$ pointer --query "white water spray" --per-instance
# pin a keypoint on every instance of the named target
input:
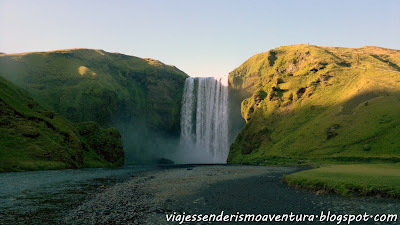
(204, 120)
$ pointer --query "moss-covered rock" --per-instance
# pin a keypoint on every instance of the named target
(105, 142)
(307, 103)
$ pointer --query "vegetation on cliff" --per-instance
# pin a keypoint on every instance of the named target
(33, 138)
(141, 97)
(94, 85)
(311, 104)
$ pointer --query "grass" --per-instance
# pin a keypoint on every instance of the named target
(350, 180)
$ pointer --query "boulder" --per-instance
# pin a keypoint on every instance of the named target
(331, 131)
(166, 161)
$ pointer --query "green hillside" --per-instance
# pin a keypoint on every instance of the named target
(141, 97)
(33, 138)
(308, 104)
(94, 85)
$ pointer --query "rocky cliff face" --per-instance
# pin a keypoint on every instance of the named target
(32, 137)
(318, 103)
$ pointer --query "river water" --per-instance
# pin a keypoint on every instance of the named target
(38, 197)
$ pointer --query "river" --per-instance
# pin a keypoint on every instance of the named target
(44, 196)
(146, 194)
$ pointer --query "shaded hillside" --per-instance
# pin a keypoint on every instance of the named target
(32, 138)
(141, 97)
(319, 103)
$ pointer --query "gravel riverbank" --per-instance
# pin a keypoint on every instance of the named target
(148, 197)
(144, 199)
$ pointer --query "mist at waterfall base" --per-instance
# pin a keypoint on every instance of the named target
(210, 121)
(143, 145)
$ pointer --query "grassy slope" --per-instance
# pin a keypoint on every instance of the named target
(33, 138)
(313, 104)
(94, 85)
(348, 180)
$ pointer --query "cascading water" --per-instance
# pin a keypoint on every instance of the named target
(204, 120)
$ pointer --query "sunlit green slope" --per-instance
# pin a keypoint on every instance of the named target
(311, 103)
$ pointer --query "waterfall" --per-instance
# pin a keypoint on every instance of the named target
(204, 120)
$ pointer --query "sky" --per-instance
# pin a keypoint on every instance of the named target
(200, 37)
